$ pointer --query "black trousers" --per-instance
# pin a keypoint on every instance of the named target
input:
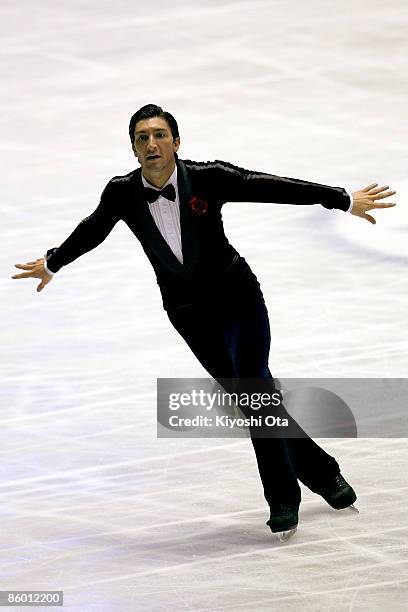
(230, 336)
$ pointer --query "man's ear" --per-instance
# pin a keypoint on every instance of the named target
(176, 144)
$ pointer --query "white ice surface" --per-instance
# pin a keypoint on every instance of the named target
(91, 501)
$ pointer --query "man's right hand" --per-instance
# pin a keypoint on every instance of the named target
(35, 269)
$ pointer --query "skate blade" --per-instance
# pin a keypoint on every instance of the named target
(354, 509)
(284, 536)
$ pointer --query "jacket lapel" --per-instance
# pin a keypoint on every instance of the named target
(188, 221)
(152, 234)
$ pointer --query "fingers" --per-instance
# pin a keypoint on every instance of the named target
(381, 196)
(32, 269)
(24, 266)
(371, 205)
(385, 205)
(379, 189)
(41, 286)
(23, 275)
(369, 187)
(379, 193)
(370, 219)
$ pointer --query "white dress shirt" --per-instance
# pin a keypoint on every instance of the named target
(166, 214)
(167, 217)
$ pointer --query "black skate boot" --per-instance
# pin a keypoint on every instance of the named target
(338, 493)
(283, 520)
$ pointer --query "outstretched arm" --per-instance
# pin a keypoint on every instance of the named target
(240, 185)
(88, 234)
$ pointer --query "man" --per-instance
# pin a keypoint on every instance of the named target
(209, 292)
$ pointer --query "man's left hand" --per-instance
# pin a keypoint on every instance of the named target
(365, 200)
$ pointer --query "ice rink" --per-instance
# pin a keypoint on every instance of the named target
(92, 503)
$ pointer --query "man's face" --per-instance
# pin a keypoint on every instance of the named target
(154, 146)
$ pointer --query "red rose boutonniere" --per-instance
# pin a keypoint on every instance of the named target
(198, 205)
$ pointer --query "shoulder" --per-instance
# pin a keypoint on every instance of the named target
(220, 168)
(202, 166)
(124, 179)
(120, 183)
(216, 169)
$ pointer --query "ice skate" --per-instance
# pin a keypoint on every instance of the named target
(339, 494)
(283, 520)
(284, 536)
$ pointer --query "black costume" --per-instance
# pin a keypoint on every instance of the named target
(213, 299)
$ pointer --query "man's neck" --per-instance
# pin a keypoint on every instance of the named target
(159, 179)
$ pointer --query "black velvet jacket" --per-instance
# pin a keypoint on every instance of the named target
(208, 257)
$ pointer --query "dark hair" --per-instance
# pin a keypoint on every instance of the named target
(147, 112)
